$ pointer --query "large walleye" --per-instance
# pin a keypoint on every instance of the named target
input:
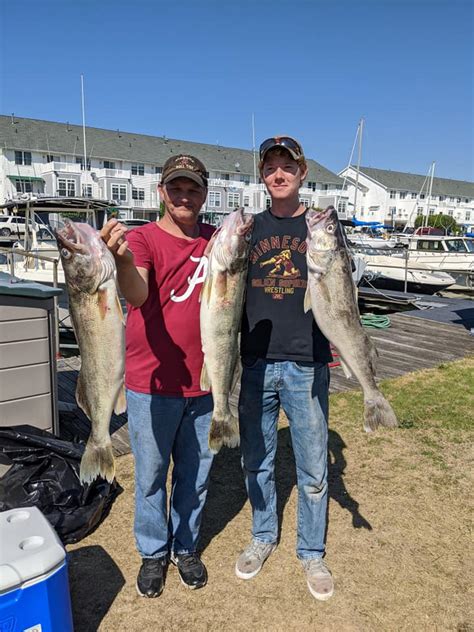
(222, 301)
(97, 317)
(331, 295)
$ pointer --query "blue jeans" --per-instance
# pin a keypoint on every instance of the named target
(161, 427)
(302, 390)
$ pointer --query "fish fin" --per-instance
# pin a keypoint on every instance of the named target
(119, 307)
(121, 402)
(223, 431)
(237, 375)
(206, 290)
(378, 412)
(307, 300)
(346, 369)
(205, 382)
(97, 461)
(81, 398)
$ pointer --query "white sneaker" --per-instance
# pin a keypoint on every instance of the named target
(318, 578)
(250, 562)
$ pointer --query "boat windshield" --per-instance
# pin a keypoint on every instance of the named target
(456, 245)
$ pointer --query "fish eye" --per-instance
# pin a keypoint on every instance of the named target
(330, 228)
(65, 253)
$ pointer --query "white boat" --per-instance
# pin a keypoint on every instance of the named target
(453, 255)
(394, 272)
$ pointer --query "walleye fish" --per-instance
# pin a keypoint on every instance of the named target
(332, 297)
(222, 300)
(97, 317)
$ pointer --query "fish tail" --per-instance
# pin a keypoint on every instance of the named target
(378, 412)
(224, 431)
(97, 461)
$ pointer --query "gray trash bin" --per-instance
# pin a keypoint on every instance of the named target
(28, 382)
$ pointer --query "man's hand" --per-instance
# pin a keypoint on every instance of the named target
(113, 235)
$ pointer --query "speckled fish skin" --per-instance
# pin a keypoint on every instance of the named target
(222, 300)
(331, 295)
(98, 322)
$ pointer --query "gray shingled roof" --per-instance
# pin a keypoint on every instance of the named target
(399, 181)
(64, 138)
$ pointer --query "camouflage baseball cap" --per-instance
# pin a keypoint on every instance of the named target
(184, 166)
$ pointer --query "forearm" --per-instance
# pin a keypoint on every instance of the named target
(132, 285)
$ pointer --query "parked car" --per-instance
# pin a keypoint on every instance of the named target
(14, 226)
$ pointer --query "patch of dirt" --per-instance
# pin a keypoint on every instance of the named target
(398, 546)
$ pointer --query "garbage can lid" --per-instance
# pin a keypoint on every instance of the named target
(19, 287)
(30, 547)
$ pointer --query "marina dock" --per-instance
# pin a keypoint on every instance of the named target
(414, 341)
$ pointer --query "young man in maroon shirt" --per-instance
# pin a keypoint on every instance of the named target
(160, 271)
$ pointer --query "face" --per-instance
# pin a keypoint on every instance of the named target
(183, 199)
(282, 175)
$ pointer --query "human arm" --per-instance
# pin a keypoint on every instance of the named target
(132, 280)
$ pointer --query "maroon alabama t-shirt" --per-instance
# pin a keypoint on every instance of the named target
(163, 340)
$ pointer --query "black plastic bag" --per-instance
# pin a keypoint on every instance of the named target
(45, 473)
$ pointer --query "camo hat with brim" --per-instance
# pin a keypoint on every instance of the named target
(184, 166)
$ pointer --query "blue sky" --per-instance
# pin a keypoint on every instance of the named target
(197, 70)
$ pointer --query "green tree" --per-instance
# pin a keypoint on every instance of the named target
(445, 222)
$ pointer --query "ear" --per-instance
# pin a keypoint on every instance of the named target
(303, 172)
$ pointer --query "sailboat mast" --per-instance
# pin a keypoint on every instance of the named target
(84, 126)
(359, 132)
(254, 150)
(429, 192)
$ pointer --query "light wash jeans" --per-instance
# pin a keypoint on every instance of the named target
(302, 390)
(161, 427)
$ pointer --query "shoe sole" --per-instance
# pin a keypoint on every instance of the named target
(320, 596)
(140, 594)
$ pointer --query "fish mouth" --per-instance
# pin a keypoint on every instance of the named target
(247, 223)
(70, 237)
(313, 217)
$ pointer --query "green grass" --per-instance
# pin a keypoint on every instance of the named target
(440, 398)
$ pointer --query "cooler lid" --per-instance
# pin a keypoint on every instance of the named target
(29, 547)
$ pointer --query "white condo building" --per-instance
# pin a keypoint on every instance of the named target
(395, 199)
(43, 158)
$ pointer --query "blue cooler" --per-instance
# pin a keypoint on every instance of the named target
(34, 588)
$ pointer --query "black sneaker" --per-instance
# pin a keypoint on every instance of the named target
(151, 576)
(191, 570)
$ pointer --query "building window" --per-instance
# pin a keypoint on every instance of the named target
(468, 216)
(80, 161)
(138, 169)
(450, 212)
(311, 185)
(392, 210)
(245, 179)
(393, 195)
(24, 186)
(246, 200)
(413, 196)
(233, 200)
(158, 169)
(466, 200)
(422, 196)
(432, 211)
(23, 157)
(214, 199)
(341, 207)
(87, 190)
(108, 164)
(119, 192)
(268, 202)
(403, 195)
(458, 200)
(226, 176)
(441, 198)
(419, 210)
(52, 158)
(305, 202)
(138, 194)
(66, 188)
